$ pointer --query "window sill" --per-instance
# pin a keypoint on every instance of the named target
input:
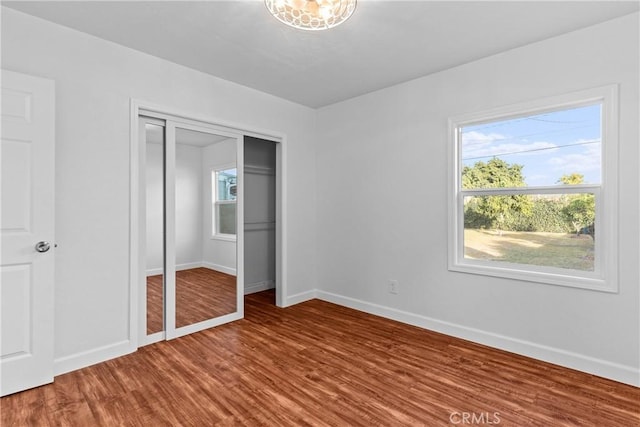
(555, 277)
(224, 238)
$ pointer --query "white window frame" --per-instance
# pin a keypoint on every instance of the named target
(215, 203)
(605, 275)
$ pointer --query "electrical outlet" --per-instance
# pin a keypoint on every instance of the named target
(394, 287)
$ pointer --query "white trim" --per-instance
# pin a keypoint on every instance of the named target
(179, 267)
(239, 231)
(533, 273)
(206, 324)
(188, 265)
(301, 297)
(135, 261)
(617, 372)
(83, 359)
(557, 189)
(154, 271)
(604, 278)
(282, 277)
(224, 126)
(152, 338)
(252, 288)
(169, 229)
(224, 237)
(541, 105)
(218, 267)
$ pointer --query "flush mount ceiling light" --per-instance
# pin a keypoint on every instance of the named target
(311, 14)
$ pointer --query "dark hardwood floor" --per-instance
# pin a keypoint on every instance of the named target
(318, 364)
(155, 298)
(201, 294)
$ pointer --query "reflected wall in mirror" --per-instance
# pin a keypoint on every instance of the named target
(154, 174)
(205, 226)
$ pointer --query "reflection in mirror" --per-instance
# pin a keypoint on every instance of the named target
(154, 165)
(205, 226)
(224, 216)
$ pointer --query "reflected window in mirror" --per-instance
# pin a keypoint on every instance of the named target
(224, 185)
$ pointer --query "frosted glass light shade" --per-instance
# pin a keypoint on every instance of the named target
(311, 14)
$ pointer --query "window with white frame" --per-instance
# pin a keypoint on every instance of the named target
(534, 191)
(224, 187)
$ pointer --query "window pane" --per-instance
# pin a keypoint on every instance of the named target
(227, 180)
(553, 230)
(534, 150)
(227, 217)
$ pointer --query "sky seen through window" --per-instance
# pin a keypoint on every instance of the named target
(548, 145)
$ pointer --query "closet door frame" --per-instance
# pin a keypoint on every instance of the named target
(170, 331)
(137, 324)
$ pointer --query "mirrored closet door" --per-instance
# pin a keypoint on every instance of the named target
(192, 206)
(152, 193)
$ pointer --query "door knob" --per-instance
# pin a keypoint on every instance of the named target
(42, 246)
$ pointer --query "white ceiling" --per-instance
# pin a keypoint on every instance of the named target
(382, 44)
(197, 139)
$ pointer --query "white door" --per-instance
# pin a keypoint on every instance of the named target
(26, 223)
(221, 306)
(187, 282)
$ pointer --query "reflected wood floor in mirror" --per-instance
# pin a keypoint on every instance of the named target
(319, 364)
(201, 294)
(154, 304)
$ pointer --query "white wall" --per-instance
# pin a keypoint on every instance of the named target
(189, 206)
(194, 245)
(372, 229)
(95, 81)
(217, 254)
(154, 183)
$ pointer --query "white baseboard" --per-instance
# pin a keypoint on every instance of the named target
(252, 288)
(198, 264)
(188, 265)
(301, 297)
(599, 367)
(220, 268)
(154, 271)
(624, 374)
(91, 357)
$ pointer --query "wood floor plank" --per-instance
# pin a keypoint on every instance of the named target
(201, 294)
(318, 364)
